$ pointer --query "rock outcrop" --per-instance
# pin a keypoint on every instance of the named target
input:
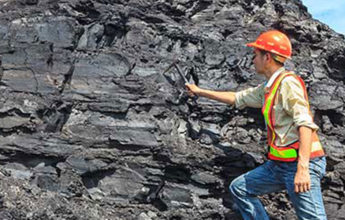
(91, 127)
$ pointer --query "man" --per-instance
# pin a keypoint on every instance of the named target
(296, 158)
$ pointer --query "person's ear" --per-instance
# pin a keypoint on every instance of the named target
(268, 57)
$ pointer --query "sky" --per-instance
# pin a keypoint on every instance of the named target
(330, 12)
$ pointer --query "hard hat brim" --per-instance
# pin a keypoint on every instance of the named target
(255, 45)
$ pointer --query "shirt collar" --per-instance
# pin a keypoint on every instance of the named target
(274, 76)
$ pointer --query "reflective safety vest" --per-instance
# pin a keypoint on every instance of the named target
(287, 153)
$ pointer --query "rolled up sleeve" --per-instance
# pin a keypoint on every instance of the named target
(252, 97)
(295, 104)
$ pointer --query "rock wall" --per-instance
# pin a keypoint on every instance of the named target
(91, 127)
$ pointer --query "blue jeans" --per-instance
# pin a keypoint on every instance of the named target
(274, 177)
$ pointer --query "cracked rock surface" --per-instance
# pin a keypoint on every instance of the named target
(92, 128)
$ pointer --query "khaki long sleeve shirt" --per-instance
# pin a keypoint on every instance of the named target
(290, 106)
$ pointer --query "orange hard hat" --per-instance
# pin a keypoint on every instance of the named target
(275, 42)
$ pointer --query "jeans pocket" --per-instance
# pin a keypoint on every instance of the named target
(318, 166)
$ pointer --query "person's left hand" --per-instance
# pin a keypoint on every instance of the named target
(302, 180)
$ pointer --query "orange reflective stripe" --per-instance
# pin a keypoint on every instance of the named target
(268, 106)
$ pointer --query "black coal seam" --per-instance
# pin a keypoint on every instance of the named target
(55, 116)
(168, 10)
(14, 112)
(127, 147)
(154, 196)
(91, 179)
(50, 58)
(200, 6)
(29, 160)
(87, 9)
(177, 173)
(4, 132)
(112, 114)
(333, 116)
(67, 77)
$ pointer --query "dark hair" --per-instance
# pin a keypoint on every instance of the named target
(275, 57)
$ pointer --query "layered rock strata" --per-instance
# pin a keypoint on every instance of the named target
(91, 127)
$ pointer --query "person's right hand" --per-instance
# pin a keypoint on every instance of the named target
(193, 90)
